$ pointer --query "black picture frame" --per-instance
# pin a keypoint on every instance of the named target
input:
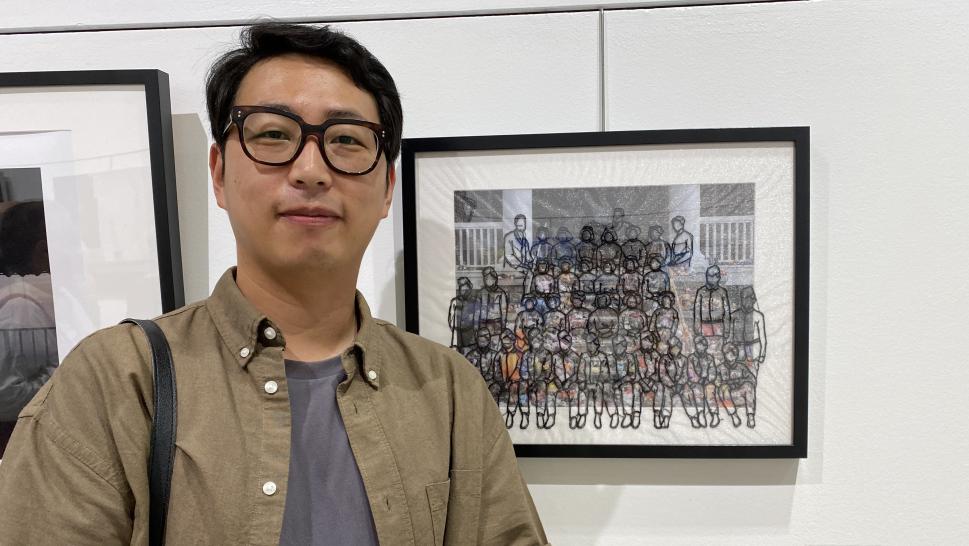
(413, 150)
(162, 158)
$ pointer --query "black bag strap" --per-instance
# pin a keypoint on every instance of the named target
(162, 431)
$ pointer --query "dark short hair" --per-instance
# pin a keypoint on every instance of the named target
(268, 39)
(22, 228)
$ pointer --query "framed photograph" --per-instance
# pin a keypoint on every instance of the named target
(88, 216)
(623, 294)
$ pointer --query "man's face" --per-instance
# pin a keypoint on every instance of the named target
(519, 225)
(301, 215)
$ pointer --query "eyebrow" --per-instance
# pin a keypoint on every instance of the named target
(330, 114)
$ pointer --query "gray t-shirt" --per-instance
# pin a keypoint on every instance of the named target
(326, 502)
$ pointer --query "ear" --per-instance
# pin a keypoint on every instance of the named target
(391, 182)
(217, 171)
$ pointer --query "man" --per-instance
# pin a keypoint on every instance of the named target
(403, 444)
(462, 316)
(657, 246)
(492, 303)
(517, 252)
(681, 247)
(711, 311)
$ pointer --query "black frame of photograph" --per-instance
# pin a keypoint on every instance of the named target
(161, 154)
(798, 136)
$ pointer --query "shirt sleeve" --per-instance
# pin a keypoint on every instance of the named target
(75, 469)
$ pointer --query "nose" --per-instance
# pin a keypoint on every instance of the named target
(309, 169)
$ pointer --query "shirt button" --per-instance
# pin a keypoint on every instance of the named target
(269, 488)
(372, 374)
(270, 333)
(271, 387)
(244, 352)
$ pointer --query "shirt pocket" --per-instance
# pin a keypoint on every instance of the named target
(464, 507)
(437, 499)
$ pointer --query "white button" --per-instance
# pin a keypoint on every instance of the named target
(271, 387)
(244, 352)
(372, 374)
(269, 488)
(269, 332)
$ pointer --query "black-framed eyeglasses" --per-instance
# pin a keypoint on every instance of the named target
(276, 137)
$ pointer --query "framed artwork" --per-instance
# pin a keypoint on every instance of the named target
(88, 216)
(623, 294)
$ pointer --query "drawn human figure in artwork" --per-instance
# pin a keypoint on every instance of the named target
(609, 251)
(682, 246)
(594, 364)
(555, 320)
(657, 246)
(587, 278)
(631, 280)
(626, 386)
(483, 357)
(547, 382)
(578, 317)
(633, 247)
(632, 320)
(666, 317)
(492, 303)
(711, 311)
(664, 385)
(509, 363)
(567, 367)
(703, 377)
(529, 317)
(748, 332)
(648, 373)
(462, 316)
(619, 225)
(518, 251)
(608, 283)
(564, 248)
(587, 246)
(567, 280)
(604, 320)
(542, 247)
(656, 281)
(738, 386)
(538, 361)
(543, 284)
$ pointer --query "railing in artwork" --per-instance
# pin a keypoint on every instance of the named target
(477, 244)
(31, 347)
(727, 240)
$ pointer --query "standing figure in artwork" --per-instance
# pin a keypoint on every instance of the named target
(538, 361)
(748, 331)
(648, 373)
(664, 384)
(594, 364)
(633, 247)
(711, 311)
(462, 316)
(564, 248)
(738, 387)
(609, 251)
(492, 304)
(682, 246)
(666, 317)
(587, 247)
(619, 225)
(484, 357)
(657, 246)
(704, 378)
(629, 391)
(551, 380)
(518, 251)
(608, 283)
(509, 362)
(672, 379)
(567, 367)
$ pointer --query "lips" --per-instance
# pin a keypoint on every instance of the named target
(316, 216)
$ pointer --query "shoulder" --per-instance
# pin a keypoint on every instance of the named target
(420, 356)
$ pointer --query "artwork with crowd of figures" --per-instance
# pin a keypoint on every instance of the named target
(611, 308)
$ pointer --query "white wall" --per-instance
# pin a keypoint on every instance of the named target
(884, 86)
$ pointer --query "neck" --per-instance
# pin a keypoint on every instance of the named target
(315, 310)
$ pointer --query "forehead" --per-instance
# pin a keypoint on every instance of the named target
(309, 86)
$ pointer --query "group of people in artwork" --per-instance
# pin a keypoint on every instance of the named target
(597, 325)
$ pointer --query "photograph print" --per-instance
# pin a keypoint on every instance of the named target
(626, 300)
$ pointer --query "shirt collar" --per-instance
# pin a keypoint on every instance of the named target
(239, 324)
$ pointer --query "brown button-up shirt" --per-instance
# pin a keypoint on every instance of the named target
(436, 460)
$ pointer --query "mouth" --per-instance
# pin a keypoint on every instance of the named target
(310, 216)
